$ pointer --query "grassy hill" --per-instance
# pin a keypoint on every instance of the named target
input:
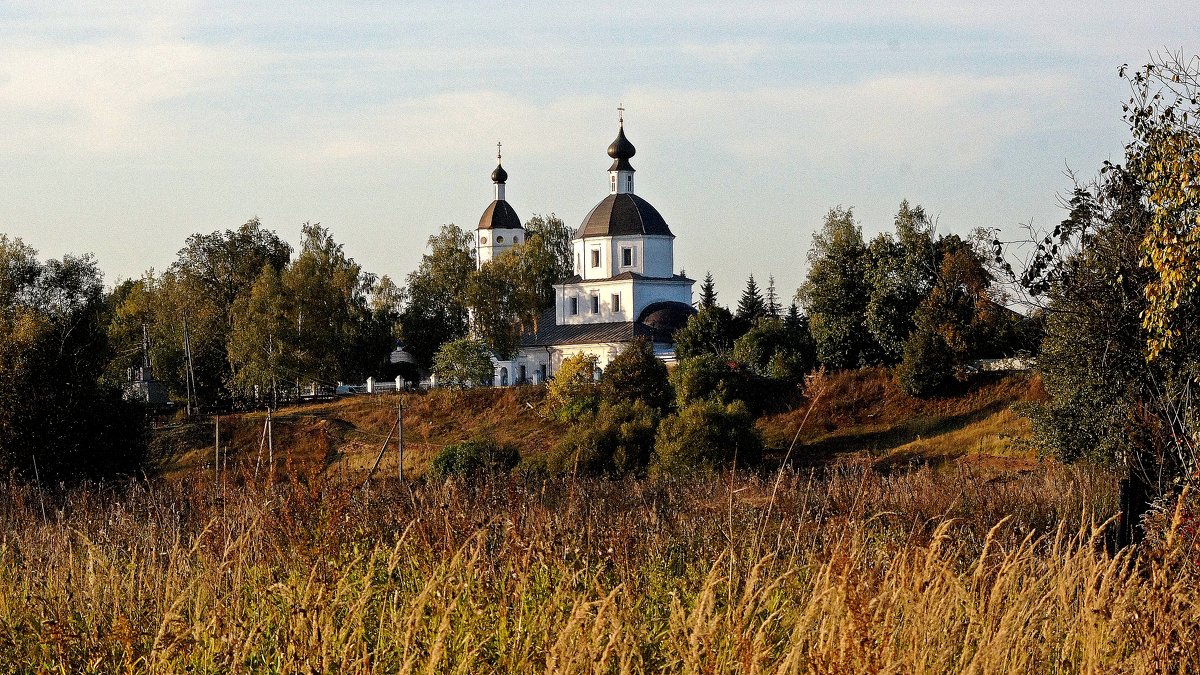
(860, 416)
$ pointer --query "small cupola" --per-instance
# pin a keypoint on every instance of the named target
(499, 175)
(620, 174)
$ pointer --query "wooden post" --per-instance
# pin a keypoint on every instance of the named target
(217, 449)
(187, 375)
(400, 435)
(271, 445)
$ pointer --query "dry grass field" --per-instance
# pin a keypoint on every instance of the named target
(837, 570)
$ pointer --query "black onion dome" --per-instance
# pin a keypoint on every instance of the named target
(499, 175)
(622, 214)
(666, 316)
(500, 215)
(621, 150)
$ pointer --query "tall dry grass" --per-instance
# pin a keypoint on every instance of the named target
(847, 571)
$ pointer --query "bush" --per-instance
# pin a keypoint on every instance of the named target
(706, 435)
(636, 374)
(707, 377)
(572, 393)
(619, 439)
(777, 349)
(473, 457)
(927, 363)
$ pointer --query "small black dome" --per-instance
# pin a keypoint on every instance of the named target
(499, 215)
(666, 316)
(621, 150)
(499, 175)
(622, 214)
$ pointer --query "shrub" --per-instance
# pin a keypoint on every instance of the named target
(706, 435)
(619, 439)
(706, 377)
(472, 457)
(927, 363)
(636, 374)
(777, 349)
(572, 393)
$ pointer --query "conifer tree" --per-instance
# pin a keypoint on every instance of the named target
(708, 291)
(751, 306)
(772, 305)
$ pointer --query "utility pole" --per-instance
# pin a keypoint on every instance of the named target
(270, 446)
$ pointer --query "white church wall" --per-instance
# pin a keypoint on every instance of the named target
(603, 291)
(649, 292)
(491, 244)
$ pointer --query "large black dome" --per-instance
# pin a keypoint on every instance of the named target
(666, 316)
(623, 214)
(500, 216)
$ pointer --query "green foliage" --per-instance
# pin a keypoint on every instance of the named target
(59, 419)
(636, 374)
(901, 271)
(751, 306)
(706, 377)
(437, 294)
(510, 292)
(619, 439)
(708, 291)
(927, 364)
(474, 457)
(777, 349)
(704, 436)
(573, 393)
(463, 363)
(835, 293)
(712, 331)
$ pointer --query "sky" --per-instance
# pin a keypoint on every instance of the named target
(126, 127)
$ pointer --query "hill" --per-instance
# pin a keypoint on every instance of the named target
(859, 416)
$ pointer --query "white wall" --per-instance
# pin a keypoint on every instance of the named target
(583, 292)
(487, 247)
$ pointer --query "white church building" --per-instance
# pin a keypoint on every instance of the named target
(624, 285)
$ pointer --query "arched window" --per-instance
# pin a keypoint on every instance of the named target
(504, 377)
(500, 239)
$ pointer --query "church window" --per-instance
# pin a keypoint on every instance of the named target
(616, 302)
(483, 240)
(595, 257)
(578, 264)
(521, 378)
(629, 183)
(627, 256)
(574, 306)
(595, 304)
(516, 240)
(500, 239)
(613, 182)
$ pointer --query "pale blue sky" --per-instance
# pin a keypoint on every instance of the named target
(124, 130)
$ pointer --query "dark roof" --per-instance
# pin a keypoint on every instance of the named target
(621, 150)
(667, 316)
(621, 214)
(499, 175)
(499, 216)
(661, 322)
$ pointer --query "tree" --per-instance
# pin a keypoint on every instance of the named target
(835, 292)
(708, 291)
(709, 331)
(771, 305)
(463, 363)
(59, 417)
(1164, 116)
(900, 273)
(572, 393)
(927, 363)
(546, 256)
(262, 343)
(636, 374)
(337, 337)
(618, 439)
(751, 306)
(437, 309)
(777, 349)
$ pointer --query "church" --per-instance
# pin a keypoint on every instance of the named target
(624, 286)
